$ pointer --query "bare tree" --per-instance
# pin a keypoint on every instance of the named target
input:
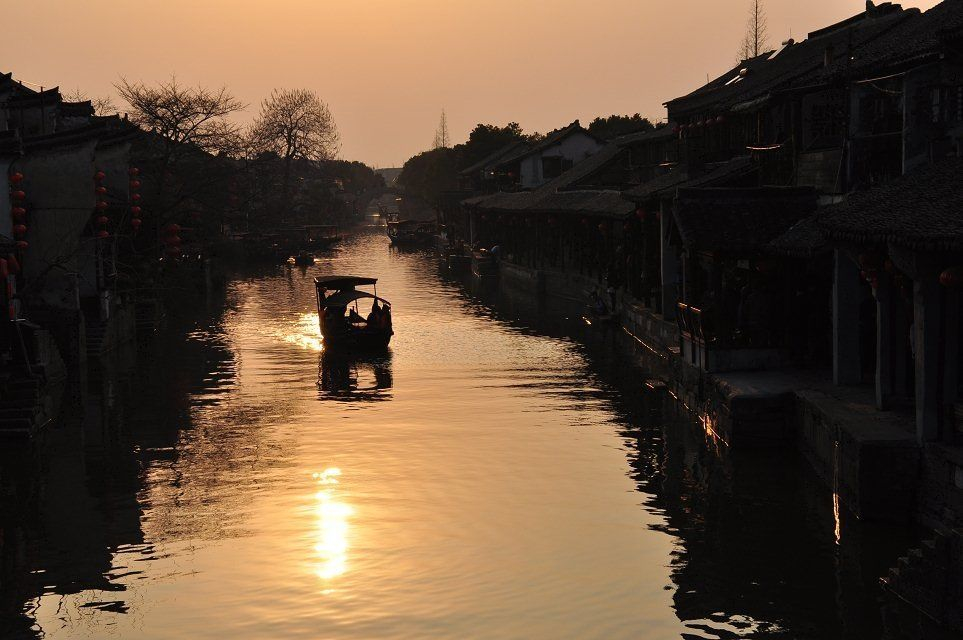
(755, 40)
(184, 116)
(441, 133)
(187, 129)
(103, 106)
(294, 124)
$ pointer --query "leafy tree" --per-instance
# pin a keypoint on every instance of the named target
(616, 125)
(486, 139)
(429, 174)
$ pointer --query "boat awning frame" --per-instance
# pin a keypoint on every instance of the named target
(343, 282)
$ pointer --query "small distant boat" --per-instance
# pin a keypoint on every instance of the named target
(321, 236)
(304, 259)
(342, 324)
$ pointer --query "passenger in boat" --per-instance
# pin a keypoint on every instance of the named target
(386, 316)
(334, 320)
(374, 318)
(355, 318)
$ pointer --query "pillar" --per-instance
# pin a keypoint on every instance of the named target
(670, 269)
(885, 344)
(927, 318)
(951, 347)
(846, 364)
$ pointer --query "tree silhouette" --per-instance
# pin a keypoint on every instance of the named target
(294, 124)
(755, 40)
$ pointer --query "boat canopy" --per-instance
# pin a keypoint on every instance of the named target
(343, 282)
(344, 298)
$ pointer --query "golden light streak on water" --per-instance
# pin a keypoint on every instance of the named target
(305, 333)
(331, 518)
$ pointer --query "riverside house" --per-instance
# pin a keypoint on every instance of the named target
(790, 246)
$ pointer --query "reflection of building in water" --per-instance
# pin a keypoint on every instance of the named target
(350, 378)
(72, 524)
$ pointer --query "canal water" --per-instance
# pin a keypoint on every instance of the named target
(501, 473)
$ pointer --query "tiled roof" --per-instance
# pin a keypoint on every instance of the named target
(922, 210)
(492, 159)
(804, 239)
(550, 140)
(769, 72)
(910, 41)
(725, 219)
(660, 132)
(681, 177)
(559, 194)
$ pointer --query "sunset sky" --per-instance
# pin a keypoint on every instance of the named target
(388, 67)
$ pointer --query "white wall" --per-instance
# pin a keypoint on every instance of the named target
(575, 147)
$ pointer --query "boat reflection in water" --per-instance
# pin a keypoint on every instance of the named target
(353, 378)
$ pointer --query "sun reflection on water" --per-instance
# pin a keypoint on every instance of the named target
(331, 537)
(305, 333)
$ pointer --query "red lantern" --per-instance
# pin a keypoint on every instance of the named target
(173, 228)
(22, 244)
(952, 277)
(18, 195)
(133, 171)
(100, 175)
(103, 234)
(135, 210)
(135, 223)
(18, 213)
(135, 184)
(103, 220)
(101, 205)
(20, 229)
(101, 190)
(16, 178)
(135, 197)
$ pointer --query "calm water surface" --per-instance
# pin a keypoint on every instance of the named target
(499, 474)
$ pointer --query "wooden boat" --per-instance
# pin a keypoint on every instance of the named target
(484, 265)
(304, 259)
(410, 233)
(341, 322)
(321, 236)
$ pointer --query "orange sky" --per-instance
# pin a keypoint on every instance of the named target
(387, 67)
